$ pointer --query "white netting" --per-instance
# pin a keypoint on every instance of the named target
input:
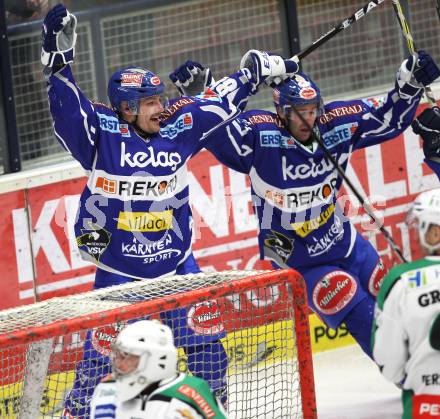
(65, 308)
(58, 345)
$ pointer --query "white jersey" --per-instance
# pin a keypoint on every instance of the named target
(407, 305)
(181, 397)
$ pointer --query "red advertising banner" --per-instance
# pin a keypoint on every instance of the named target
(40, 259)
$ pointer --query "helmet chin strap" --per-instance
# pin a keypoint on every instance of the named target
(138, 129)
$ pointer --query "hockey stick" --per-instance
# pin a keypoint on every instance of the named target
(336, 29)
(367, 207)
(404, 26)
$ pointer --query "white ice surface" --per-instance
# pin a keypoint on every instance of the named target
(350, 386)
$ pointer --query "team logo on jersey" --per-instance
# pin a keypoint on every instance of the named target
(321, 245)
(339, 134)
(150, 251)
(182, 123)
(103, 337)
(305, 228)
(334, 292)
(205, 318)
(96, 239)
(377, 278)
(276, 139)
(145, 221)
(124, 130)
(277, 246)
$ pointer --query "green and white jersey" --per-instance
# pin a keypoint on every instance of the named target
(182, 397)
(404, 341)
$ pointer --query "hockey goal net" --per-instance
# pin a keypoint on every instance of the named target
(263, 318)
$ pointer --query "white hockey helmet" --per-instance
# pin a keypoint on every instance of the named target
(424, 212)
(150, 345)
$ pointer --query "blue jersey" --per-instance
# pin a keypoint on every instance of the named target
(134, 218)
(294, 187)
(434, 166)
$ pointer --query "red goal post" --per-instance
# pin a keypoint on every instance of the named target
(264, 315)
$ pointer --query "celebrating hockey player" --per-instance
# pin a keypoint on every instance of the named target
(145, 383)
(427, 125)
(294, 185)
(134, 219)
(406, 331)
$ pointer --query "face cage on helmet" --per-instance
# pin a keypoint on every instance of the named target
(287, 107)
(413, 220)
(134, 104)
(289, 112)
(137, 366)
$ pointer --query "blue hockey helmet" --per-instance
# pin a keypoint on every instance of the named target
(132, 84)
(297, 90)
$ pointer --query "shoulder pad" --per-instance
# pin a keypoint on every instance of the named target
(102, 105)
(262, 117)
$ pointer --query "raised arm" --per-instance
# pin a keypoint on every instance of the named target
(399, 107)
(75, 119)
(256, 67)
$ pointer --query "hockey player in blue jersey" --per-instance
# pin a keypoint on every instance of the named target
(134, 219)
(427, 125)
(294, 185)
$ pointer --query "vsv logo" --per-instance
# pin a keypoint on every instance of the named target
(150, 158)
(182, 123)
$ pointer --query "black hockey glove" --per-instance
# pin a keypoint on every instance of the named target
(192, 78)
(426, 70)
(427, 125)
(417, 71)
(58, 37)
